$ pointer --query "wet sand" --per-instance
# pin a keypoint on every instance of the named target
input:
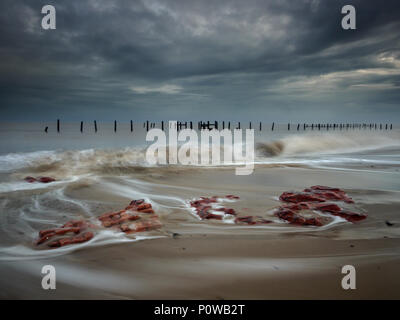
(215, 267)
(210, 260)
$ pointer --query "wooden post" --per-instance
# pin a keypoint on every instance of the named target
(81, 126)
(239, 125)
(58, 125)
(273, 125)
(229, 125)
(260, 126)
(288, 126)
(298, 126)
(115, 125)
(95, 126)
(191, 125)
(250, 125)
(223, 125)
(131, 126)
(147, 125)
(46, 129)
(391, 126)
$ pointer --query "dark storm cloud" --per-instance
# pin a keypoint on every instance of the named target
(283, 60)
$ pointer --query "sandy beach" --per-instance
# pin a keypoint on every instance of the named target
(195, 259)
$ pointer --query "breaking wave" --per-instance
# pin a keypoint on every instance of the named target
(72, 163)
(327, 143)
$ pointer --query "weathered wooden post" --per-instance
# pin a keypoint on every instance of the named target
(298, 126)
(147, 125)
(260, 126)
(250, 125)
(115, 125)
(95, 126)
(81, 126)
(273, 125)
(288, 126)
(46, 129)
(58, 125)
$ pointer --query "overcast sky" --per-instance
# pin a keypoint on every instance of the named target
(270, 60)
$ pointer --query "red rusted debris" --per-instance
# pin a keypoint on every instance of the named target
(72, 240)
(314, 198)
(316, 194)
(40, 179)
(123, 220)
(144, 225)
(75, 226)
(130, 213)
(299, 197)
(203, 207)
(350, 216)
(134, 211)
(292, 216)
(329, 193)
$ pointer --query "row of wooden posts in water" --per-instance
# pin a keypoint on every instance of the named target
(203, 125)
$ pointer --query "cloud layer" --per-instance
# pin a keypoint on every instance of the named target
(259, 59)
